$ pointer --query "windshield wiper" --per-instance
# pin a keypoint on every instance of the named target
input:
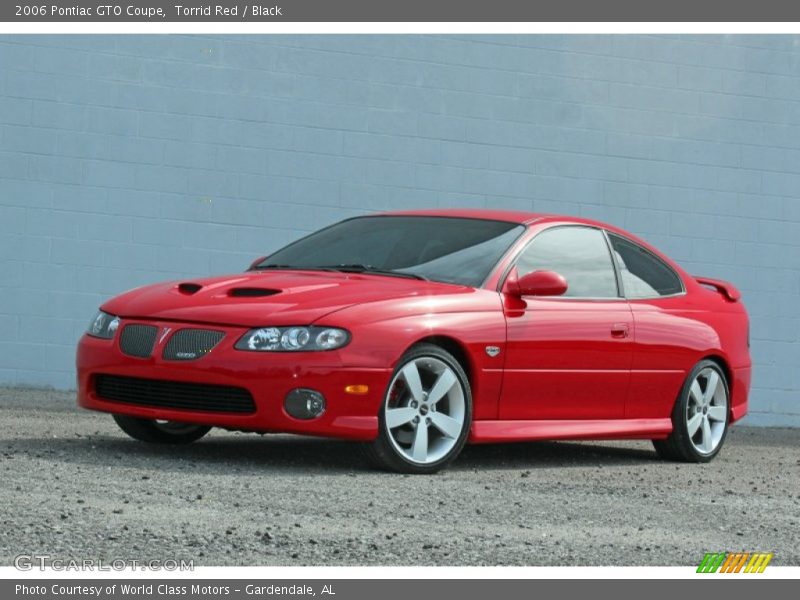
(359, 268)
(342, 268)
(289, 268)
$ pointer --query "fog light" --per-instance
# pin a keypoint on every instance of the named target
(302, 403)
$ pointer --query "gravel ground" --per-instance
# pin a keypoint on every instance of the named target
(74, 486)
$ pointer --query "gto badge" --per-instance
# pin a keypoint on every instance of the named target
(492, 351)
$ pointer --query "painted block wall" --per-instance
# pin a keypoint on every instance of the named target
(126, 160)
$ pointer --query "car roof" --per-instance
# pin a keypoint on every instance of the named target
(511, 216)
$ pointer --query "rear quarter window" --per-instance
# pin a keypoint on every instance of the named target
(643, 274)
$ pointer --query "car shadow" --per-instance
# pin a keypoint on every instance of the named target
(257, 455)
(547, 455)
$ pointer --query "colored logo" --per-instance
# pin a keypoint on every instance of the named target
(734, 562)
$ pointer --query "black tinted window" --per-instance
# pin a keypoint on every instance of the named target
(448, 249)
(643, 274)
(580, 254)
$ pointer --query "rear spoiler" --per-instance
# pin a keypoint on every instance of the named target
(723, 287)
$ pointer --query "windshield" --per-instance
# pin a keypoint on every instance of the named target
(447, 249)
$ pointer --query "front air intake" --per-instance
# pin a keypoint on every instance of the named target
(249, 292)
(189, 288)
(175, 395)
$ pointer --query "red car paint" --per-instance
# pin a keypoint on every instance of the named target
(567, 368)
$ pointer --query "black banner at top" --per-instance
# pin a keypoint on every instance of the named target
(399, 11)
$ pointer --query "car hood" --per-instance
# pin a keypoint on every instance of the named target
(265, 297)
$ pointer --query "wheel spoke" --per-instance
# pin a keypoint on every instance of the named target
(717, 413)
(447, 425)
(696, 393)
(706, 444)
(707, 410)
(419, 430)
(411, 375)
(399, 416)
(419, 450)
(694, 423)
(444, 382)
(711, 386)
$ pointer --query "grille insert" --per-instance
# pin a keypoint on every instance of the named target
(174, 394)
(191, 344)
(138, 340)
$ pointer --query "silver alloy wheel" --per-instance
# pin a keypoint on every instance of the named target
(707, 411)
(424, 411)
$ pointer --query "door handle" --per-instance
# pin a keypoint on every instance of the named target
(619, 330)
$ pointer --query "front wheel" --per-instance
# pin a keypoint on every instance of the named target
(425, 417)
(700, 418)
(160, 432)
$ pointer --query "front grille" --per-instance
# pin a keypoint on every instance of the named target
(191, 344)
(138, 340)
(174, 394)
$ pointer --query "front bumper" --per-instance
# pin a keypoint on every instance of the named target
(269, 377)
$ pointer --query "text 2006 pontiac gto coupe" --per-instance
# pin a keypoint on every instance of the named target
(418, 332)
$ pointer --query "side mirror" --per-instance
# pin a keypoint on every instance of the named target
(537, 283)
(256, 262)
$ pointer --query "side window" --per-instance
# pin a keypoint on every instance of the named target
(580, 254)
(643, 274)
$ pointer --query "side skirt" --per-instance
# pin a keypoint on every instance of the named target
(487, 432)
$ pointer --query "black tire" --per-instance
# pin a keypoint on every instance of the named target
(155, 432)
(383, 453)
(679, 446)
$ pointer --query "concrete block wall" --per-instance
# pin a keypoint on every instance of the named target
(130, 159)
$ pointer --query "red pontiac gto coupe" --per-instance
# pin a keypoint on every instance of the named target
(417, 332)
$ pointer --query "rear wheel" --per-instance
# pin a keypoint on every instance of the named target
(700, 418)
(160, 432)
(426, 414)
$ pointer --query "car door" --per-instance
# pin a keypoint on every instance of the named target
(568, 357)
(668, 334)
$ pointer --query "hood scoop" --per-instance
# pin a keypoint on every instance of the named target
(251, 292)
(189, 288)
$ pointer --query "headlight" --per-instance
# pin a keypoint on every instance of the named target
(293, 339)
(103, 325)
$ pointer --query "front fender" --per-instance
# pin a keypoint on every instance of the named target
(382, 342)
